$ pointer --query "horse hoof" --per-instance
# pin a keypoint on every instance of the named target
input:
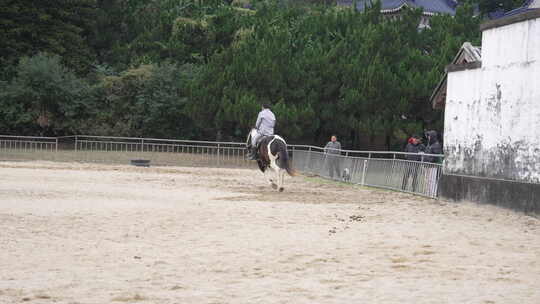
(281, 189)
(274, 186)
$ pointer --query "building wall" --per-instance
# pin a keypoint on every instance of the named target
(492, 115)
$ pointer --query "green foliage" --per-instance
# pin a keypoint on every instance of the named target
(56, 27)
(145, 101)
(44, 97)
(134, 32)
(201, 69)
(332, 71)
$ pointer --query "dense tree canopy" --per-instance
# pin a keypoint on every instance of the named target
(43, 97)
(55, 26)
(200, 69)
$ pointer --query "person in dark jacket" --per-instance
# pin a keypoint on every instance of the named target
(433, 171)
(433, 147)
(414, 145)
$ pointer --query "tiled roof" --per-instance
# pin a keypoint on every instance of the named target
(467, 54)
(429, 6)
(528, 5)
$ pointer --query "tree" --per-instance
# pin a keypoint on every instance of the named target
(145, 101)
(182, 68)
(331, 71)
(160, 104)
(135, 32)
(44, 97)
(56, 27)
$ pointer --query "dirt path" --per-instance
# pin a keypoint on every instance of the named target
(79, 233)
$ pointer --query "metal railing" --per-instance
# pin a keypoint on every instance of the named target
(159, 151)
(105, 149)
(383, 169)
(28, 147)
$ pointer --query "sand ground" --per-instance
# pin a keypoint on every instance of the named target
(86, 233)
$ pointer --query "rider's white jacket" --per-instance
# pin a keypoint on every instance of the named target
(265, 122)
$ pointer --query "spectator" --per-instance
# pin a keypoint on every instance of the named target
(433, 147)
(415, 146)
(433, 171)
(333, 151)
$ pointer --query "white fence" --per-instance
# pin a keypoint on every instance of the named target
(383, 169)
(389, 170)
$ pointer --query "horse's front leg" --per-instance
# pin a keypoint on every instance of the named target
(265, 169)
(277, 170)
(280, 173)
(280, 176)
(271, 181)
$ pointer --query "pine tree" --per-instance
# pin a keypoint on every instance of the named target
(56, 27)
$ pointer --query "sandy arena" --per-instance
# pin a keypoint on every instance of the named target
(86, 233)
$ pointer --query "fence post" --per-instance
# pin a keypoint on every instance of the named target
(55, 154)
(218, 147)
(364, 169)
(309, 161)
(75, 143)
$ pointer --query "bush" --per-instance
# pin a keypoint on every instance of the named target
(44, 97)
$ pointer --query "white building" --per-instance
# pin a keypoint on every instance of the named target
(492, 116)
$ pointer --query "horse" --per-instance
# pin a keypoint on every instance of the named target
(273, 154)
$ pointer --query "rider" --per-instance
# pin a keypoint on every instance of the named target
(266, 120)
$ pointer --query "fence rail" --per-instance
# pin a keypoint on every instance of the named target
(417, 177)
(383, 169)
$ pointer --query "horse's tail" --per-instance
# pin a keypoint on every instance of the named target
(286, 162)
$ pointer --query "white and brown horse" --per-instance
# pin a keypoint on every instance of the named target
(273, 154)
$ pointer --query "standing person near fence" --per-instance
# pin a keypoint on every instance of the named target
(414, 145)
(433, 147)
(333, 151)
